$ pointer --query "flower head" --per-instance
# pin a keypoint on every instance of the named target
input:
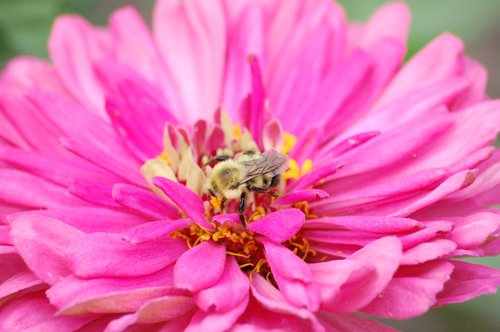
(246, 166)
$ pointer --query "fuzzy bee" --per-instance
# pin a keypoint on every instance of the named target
(231, 178)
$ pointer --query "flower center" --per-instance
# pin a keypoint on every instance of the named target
(241, 244)
(193, 160)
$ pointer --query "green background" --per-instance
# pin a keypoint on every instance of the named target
(25, 26)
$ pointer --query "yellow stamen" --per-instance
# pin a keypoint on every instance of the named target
(289, 143)
(236, 254)
(216, 202)
(242, 266)
(306, 167)
(293, 171)
(164, 156)
(237, 132)
(258, 213)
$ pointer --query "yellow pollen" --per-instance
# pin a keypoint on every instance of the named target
(216, 202)
(306, 167)
(289, 143)
(164, 156)
(237, 132)
(304, 207)
(258, 213)
(295, 172)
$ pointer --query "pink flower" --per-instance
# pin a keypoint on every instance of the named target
(106, 220)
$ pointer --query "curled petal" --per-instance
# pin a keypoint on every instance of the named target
(279, 226)
(383, 256)
(186, 200)
(468, 281)
(233, 282)
(200, 267)
(412, 291)
(293, 276)
(38, 236)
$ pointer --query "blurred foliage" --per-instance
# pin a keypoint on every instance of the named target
(25, 26)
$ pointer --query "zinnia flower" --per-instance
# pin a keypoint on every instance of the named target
(107, 153)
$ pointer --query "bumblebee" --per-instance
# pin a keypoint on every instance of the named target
(248, 171)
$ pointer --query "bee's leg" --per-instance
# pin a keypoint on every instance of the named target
(241, 208)
(222, 203)
(263, 191)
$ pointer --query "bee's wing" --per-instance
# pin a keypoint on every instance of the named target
(270, 163)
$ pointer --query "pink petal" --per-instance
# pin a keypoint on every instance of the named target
(59, 170)
(186, 200)
(449, 186)
(271, 298)
(33, 313)
(371, 224)
(336, 276)
(385, 255)
(393, 145)
(29, 123)
(76, 296)
(144, 201)
(431, 230)
(343, 195)
(5, 235)
(105, 254)
(272, 136)
(293, 276)
(23, 73)
(19, 188)
(426, 67)
(390, 21)
(469, 281)
(21, 281)
(474, 230)
(195, 28)
(412, 291)
(140, 52)
(200, 134)
(73, 46)
(95, 192)
(154, 231)
(138, 115)
(217, 321)
(15, 276)
(279, 226)
(38, 236)
(245, 27)
(477, 76)
(92, 219)
(127, 171)
(102, 145)
(157, 310)
(349, 144)
(261, 318)
(253, 111)
(385, 57)
(427, 251)
(232, 218)
(233, 281)
(200, 267)
(301, 196)
(351, 322)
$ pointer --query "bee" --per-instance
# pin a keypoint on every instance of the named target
(248, 171)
